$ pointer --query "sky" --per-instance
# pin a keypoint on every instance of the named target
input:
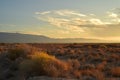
(95, 19)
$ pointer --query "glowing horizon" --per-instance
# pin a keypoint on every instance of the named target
(62, 19)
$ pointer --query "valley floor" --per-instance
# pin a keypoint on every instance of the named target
(83, 61)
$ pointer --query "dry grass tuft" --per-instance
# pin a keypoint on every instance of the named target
(13, 54)
(44, 64)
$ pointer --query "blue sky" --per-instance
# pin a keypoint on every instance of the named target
(62, 18)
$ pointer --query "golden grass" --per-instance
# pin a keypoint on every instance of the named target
(44, 64)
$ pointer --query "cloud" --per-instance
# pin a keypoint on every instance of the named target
(96, 21)
(42, 13)
(63, 32)
(62, 13)
(113, 15)
(92, 14)
(116, 10)
(70, 21)
(69, 13)
(8, 25)
(64, 24)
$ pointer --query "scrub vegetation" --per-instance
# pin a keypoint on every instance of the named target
(59, 61)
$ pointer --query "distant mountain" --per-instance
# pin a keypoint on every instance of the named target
(27, 38)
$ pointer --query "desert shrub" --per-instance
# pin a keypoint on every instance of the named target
(77, 74)
(87, 66)
(103, 46)
(74, 68)
(115, 71)
(93, 73)
(74, 63)
(44, 64)
(21, 50)
(115, 56)
(15, 53)
(101, 66)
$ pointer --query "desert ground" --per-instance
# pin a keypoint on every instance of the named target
(53, 61)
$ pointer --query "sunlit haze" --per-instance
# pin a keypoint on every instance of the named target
(94, 19)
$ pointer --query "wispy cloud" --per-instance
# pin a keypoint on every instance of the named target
(8, 25)
(42, 13)
(76, 22)
(114, 14)
(68, 19)
(62, 13)
(68, 13)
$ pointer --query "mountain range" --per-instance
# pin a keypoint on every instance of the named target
(6, 37)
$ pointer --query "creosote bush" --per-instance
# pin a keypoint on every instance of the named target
(43, 64)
